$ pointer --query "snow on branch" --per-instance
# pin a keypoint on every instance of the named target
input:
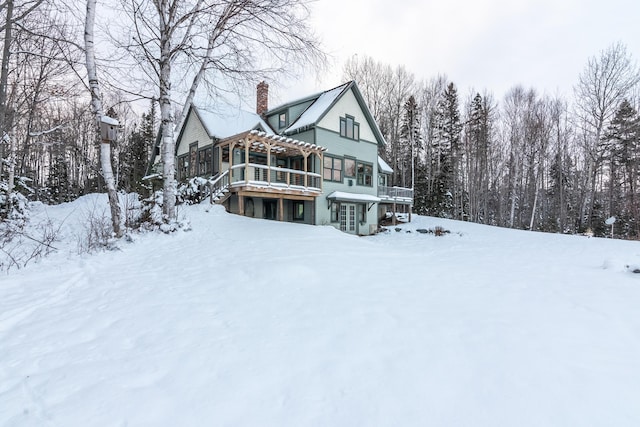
(45, 132)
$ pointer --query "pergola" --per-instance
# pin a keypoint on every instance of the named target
(259, 142)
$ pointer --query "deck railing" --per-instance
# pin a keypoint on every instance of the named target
(264, 175)
(218, 185)
(395, 193)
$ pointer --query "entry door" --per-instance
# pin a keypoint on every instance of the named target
(348, 218)
(270, 209)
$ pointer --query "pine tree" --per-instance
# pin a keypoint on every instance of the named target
(134, 159)
(58, 182)
(446, 190)
(621, 144)
(410, 142)
(477, 137)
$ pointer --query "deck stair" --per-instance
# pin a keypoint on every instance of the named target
(219, 188)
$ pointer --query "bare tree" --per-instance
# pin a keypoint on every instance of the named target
(13, 14)
(229, 40)
(604, 82)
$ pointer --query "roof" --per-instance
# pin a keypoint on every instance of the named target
(321, 103)
(315, 111)
(226, 123)
(384, 166)
(352, 197)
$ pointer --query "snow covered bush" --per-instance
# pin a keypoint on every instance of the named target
(193, 191)
(151, 217)
(151, 212)
(14, 206)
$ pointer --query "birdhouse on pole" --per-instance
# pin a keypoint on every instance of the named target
(109, 129)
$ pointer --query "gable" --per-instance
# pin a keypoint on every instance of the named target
(327, 108)
(224, 123)
(315, 111)
(348, 104)
(293, 111)
(204, 126)
(192, 131)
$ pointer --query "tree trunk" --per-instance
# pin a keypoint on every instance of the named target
(4, 77)
(96, 109)
(166, 116)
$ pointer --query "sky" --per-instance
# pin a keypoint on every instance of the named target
(478, 44)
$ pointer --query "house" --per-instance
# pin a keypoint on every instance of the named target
(314, 160)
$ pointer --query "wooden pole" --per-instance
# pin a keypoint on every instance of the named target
(306, 181)
(231, 147)
(246, 161)
(268, 163)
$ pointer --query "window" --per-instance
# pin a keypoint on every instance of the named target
(349, 167)
(349, 128)
(282, 120)
(193, 159)
(205, 158)
(365, 174)
(182, 167)
(362, 213)
(332, 170)
(335, 211)
(298, 210)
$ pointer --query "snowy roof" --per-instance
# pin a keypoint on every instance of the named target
(317, 109)
(232, 121)
(352, 197)
(109, 120)
(384, 166)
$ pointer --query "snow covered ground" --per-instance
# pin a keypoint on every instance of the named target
(244, 322)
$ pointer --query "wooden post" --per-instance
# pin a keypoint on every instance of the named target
(281, 209)
(231, 147)
(246, 161)
(306, 180)
(240, 204)
(321, 156)
(268, 163)
(394, 214)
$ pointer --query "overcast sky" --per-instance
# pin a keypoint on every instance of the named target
(480, 44)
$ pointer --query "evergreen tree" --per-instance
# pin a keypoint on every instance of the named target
(477, 150)
(58, 182)
(621, 144)
(446, 154)
(135, 157)
(410, 142)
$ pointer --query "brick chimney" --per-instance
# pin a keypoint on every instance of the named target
(262, 98)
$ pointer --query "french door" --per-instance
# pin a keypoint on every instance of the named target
(348, 221)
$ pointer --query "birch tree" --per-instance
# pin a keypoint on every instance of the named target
(98, 113)
(211, 41)
(13, 14)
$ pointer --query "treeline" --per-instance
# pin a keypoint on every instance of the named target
(48, 144)
(528, 161)
(68, 67)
